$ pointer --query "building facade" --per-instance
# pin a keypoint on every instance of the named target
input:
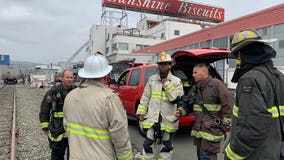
(269, 23)
(118, 42)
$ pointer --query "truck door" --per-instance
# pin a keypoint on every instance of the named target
(121, 89)
(133, 91)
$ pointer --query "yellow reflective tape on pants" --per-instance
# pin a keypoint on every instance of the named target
(167, 128)
(236, 111)
(87, 131)
(44, 124)
(274, 111)
(57, 139)
(207, 136)
(127, 156)
(58, 114)
(281, 108)
(232, 155)
(159, 158)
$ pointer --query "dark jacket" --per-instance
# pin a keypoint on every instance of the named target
(217, 99)
(51, 112)
(255, 130)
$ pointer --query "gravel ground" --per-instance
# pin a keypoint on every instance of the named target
(32, 143)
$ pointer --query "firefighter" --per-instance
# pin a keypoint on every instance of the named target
(256, 130)
(212, 106)
(51, 116)
(95, 118)
(156, 109)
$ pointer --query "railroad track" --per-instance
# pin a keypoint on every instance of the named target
(7, 122)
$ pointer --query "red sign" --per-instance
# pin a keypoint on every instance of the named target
(175, 8)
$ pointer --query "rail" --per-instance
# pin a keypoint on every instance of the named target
(8, 122)
(13, 141)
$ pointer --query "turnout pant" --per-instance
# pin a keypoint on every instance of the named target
(58, 149)
(206, 150)
(149, 147)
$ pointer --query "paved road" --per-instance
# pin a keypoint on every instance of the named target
(183, 144)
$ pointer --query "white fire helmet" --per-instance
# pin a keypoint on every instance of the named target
(95, 66)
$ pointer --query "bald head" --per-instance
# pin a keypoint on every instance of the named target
(200, 72)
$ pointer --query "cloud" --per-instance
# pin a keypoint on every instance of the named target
(44, 31)
(47, 31)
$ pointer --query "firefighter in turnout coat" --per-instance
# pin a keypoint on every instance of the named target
(94, 116)
(211, 122)
(51, 115)
(156, 109)
(256, 131)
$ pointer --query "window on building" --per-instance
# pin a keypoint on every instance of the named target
(221, 42)
(107, 36)
(135, 76)
(163, 35)
(281, 44)
(114, 48)
(141, 46)
(122, 46)
(206, 43)
(264, 31)
(107, 50)
(176, 32)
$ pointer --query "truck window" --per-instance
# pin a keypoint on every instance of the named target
(180, 74)
(149, 72)
(135, 76)
(122, 80)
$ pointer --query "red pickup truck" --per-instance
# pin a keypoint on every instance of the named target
(130, 84)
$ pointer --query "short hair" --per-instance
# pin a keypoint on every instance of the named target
(201, 65)
(65, 70)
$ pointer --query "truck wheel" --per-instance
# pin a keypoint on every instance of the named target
(141, 130)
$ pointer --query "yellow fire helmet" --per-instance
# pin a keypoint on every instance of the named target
(164, 57)
(246, 37)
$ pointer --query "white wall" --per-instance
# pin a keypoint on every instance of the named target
(168, 28)
(97, 39)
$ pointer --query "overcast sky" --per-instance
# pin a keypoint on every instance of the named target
(46, 31)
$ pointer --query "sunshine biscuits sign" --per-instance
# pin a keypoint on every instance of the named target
(174, 8)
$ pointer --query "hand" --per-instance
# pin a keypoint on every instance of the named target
(164, 80)
(177, 113)
(45, 133)
(226, 128)
(141, 117)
